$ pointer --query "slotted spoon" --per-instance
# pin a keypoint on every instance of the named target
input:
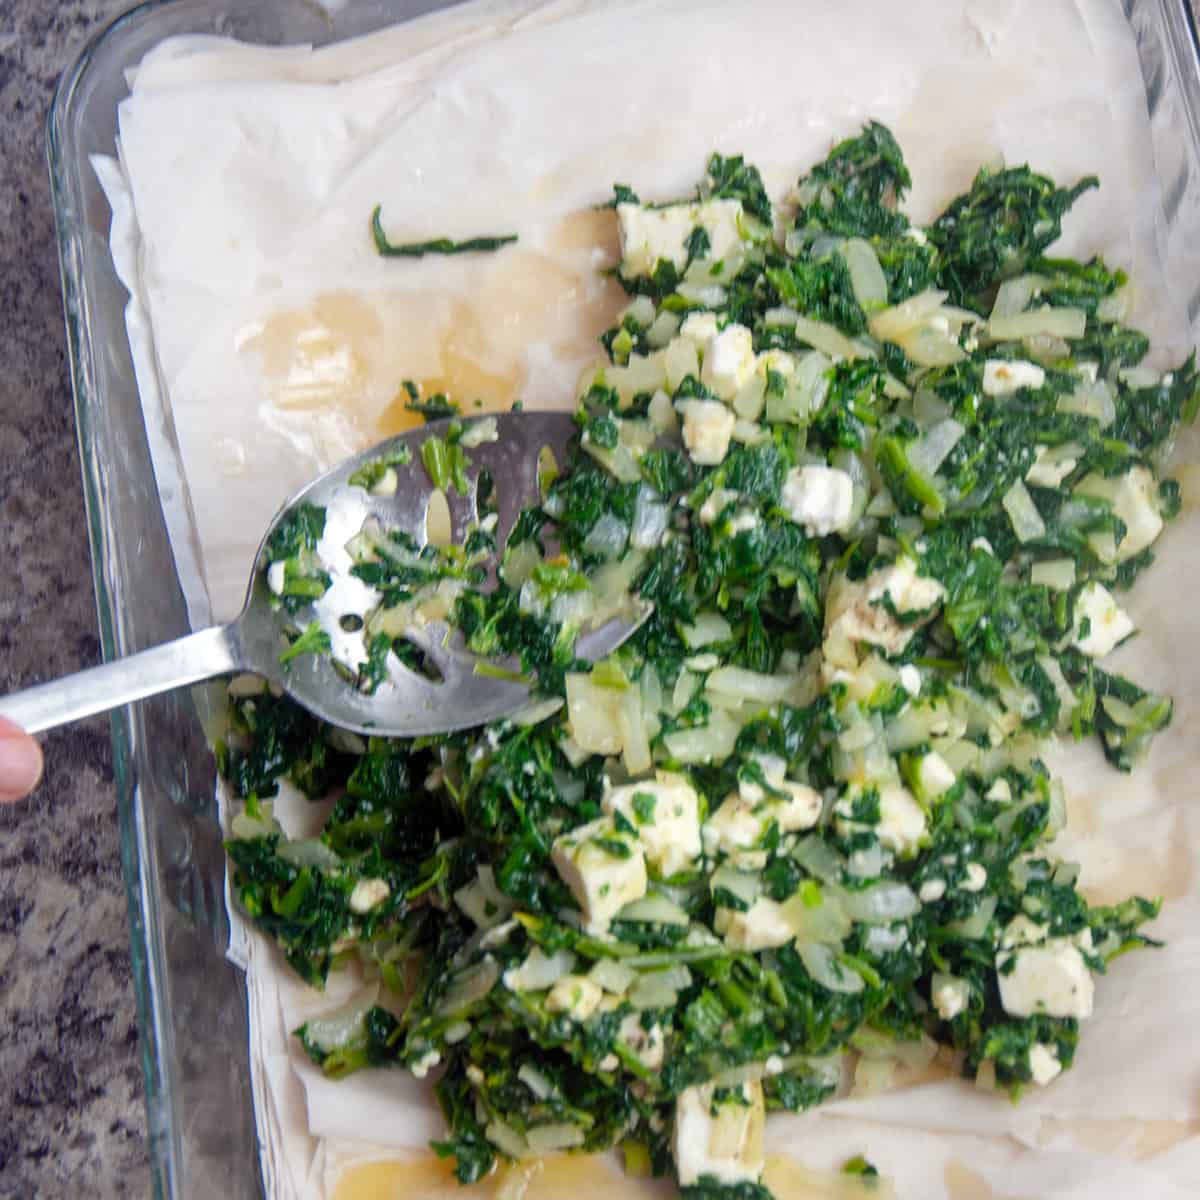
(407, 704)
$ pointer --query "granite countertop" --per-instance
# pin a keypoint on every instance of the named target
(71, 1111)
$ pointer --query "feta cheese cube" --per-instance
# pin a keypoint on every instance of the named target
(728, 361)
(1040, 974)
(707, 429)
(854, 612)
(368, 894)
(575, 995)
(734, 826)
(819, 498)
(651, 235)
(648, 1046)
(1044, 1064)
(1133, 497)
(1002, 378)
(935, 775)
(932, 890)
(728, 1146)
(763, 926)
(744, 816)
(1106, 622)
(902, 821)
(950, 995)
(601, 880)
(666, 815)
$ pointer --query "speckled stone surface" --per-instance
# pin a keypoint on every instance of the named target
(71, 1115)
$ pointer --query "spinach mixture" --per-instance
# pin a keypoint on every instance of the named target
(883, 486)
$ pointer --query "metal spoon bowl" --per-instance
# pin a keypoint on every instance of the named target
(407, 704)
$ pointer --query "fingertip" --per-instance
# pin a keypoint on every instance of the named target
(21, 762)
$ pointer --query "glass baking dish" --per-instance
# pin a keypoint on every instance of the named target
(191, 1001)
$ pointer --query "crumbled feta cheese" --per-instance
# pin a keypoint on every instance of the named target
(601, 882)
(727, 1147)
(707, 429)
(744, 816)
(763, 926)
(651, 235)
(935, 775)
(575, 995)
(819, 498)
(475, 1075)
(1002, 378)
(910, 679)
(932, 890)
(1106, 622)
(854, 612)
(648, 1046)
(734, 826)
(976, 878)
(275, 577)
(950, 995)
(1047, 472)
(1133, 497)
(719, 499)
(1044, 1064)
(981, 543)
(666, 815)
(902, 823)
(1038, 974)
(368, 894)
(728, 361)
(423, 1065)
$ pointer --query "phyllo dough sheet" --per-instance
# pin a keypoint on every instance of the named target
(271, 340)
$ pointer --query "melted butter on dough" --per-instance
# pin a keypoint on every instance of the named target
(591, 1177)
(523, 333)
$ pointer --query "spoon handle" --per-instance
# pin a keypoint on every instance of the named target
(190, 659)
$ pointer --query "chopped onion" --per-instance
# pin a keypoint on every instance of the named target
(829, 339)
(975, 926)
(245, 827)
(469, 987)
(1058, 574)
(906, 316)
(439, 529)
(1050, 322)
(613, 975)
(1014, 295)
(310, 852)
(535, 1081)
(819, 859)
(745, 885)
(708, 627)
(867, 279)
(606, 538)
(799, 690)
(882, 903)
(1095, 400)
(931, 450)
(546, 1139)
(342, 1025)
(822, 964)
(654, 909)
(507, 1139)
(1027, 522)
